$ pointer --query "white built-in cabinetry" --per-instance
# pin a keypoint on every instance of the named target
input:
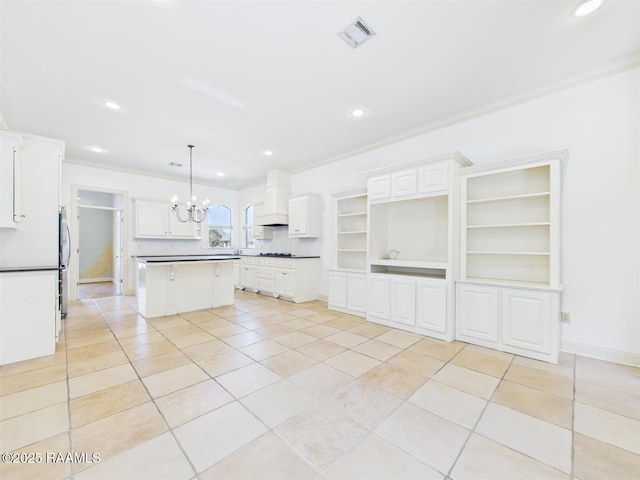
(508, 294)
(10, 180)
(348, 280)
(294, 279)
(412, 245)
(158, 220)
(261, 232)
(305, 216)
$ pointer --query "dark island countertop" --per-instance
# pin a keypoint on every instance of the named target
(44, 268)
(185, 258)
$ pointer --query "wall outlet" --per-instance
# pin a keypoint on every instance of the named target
(565, 317)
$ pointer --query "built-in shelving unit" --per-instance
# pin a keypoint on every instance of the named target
(508, 293)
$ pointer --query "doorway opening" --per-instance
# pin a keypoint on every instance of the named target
(100, 243)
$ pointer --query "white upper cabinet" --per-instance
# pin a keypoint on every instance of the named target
(10, 181)
(158, 220)
(404, 184)
(305, 216)
(433, 178)
(379, 188)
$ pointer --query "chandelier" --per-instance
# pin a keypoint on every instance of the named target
(194, 212)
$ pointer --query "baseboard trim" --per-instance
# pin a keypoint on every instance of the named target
(617, 356)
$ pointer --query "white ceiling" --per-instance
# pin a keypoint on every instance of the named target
(236, 78)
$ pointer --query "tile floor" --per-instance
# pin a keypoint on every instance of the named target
(272, 390)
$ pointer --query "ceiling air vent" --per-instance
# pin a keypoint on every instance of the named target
(175, 164)
(356, 33)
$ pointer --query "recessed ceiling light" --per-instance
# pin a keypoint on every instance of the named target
(97, 149)
(221, 174)
(111, 105)
(358, 112)
(268, 153)
(586, 7)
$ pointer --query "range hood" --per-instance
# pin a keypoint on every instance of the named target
(275, 209)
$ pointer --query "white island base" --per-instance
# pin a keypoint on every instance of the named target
(167, 287)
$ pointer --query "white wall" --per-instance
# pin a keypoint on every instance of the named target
(141, 187)
(599, 123)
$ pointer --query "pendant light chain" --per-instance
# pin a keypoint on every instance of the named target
(195, 213)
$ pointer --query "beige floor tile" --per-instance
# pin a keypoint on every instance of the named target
(194, 339)
(298, 323)
(541, 380)
(18, 432)
(278, 402)
(481, 362)
(483, 459)
(564, 367)
(288, 363)
(595, 460)
(365, 403)
(547, 443)
(90, 339)
(273, 331)
(399, 338)
(159, 363)
(149, 349)
(450, 403)
(266, 458)
(60, 357)
(320, 330)
(622, 432)
(159, 458)
(321, 380)
(257, 323)
(169, 381)
(346, 339)
(207, 350)
(33, 378)
(83, 353)
(345, 322)
(244, 339)
(395, 380)
(144, 339)
(122, 331)
(164, 323)
(295, 339)
(415, 362)
(215, 322)
(224, 363)
(103, 403)
(246, 380)
(108, 437)
(536, 403)
(470, 381)
(228, 330)
(439, 349)
(609, 399)
(33, 399)
(370, 330)
(184, 405)
(45, 469)
(181, 331)
(95, 381)
(321, 349)
(321, 435)
(98, 362)
(608, 374)
(234, 427)
(352, 363)
(261, 350)
(428, 437)
(378, 350)
(377, 459)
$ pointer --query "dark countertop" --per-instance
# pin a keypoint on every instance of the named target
(273, 256)
(184, 258)
(45, 268)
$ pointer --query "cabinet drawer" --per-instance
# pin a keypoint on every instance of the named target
(247, 261)
(290, 264)
(270, 262)
(265, 285)
(265, 273)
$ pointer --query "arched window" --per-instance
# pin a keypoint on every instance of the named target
(247, 240)
(220, 226)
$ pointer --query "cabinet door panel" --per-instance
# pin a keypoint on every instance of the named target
(431, 305)
(151, 219)
(526, 320)
(357, 293)
(337, 289)
(477, 312)
(433, 178)
(404, 183)
(181, 229)
(403, 301)
(378, 288)
(379, 188)
(298, 216)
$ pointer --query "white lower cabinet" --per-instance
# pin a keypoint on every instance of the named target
(29, 315)
(289, 278)
(515, 320)
(348, 292)
(416, 304)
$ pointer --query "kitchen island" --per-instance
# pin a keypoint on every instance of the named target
(167, 285)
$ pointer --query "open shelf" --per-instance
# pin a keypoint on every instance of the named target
(351, 232)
